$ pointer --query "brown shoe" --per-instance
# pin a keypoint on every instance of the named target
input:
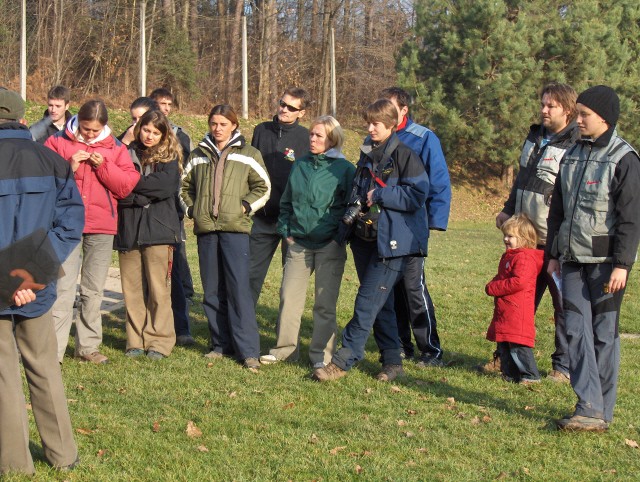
(578, 423)
(95, 357)
(492, 366)
(390, 373)
(329, 373)
(253, 364)
(558, 376)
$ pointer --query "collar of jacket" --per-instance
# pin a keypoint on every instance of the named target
(72, 132)
(332, 153)
(570, 131)
(14, 130)
(601, 141)
(209, 143)
(382, 151)
(279, 127)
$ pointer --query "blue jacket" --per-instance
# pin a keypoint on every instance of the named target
(37, 192)
(427, 145)
(402, 224)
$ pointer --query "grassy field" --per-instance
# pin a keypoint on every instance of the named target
(185, 418)
(132, 416)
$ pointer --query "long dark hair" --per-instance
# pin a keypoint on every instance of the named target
(168, 149)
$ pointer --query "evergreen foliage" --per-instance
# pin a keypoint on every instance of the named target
(477, 67)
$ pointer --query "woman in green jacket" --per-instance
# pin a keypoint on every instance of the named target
(311, 209)
(224, 182)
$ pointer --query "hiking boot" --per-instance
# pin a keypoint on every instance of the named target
(268, 359)
(425, 360)
(578, 423)
(134, 352)
(95, 357)
(213, 354)
(319, 364)
(185, 340)
(155, 355)
(329, 373)
(253, 364)
(492, 366)
(390, 373)
(558, 376)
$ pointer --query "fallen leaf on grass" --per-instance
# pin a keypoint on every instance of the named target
(233, 394)
(84, 431)
(156, 426)
(207, 403)
(395, 389)
(461, 415)
(313, 439)
(209, 365)
(192, 430)
(444, 380)
(408, 434)
(631, 443)
(80, 387)
(368, 391)
(401, 423)
(335, 450)
(422, 450)
(101, 453)
(610, 471)
(122, 390)
(451, 401)
(288, 406)
(202, 448)
(529, 407)
(28, 406)
(475, 421)
(412, 412)
(501, 475)
(411, 463)
(358, 469)
(486, 419)
(71, 400)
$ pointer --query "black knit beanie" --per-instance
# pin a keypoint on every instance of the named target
(603, 101)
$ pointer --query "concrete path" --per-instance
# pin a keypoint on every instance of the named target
(112, 299)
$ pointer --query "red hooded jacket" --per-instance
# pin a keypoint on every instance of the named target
(514, 289)
(99, 187)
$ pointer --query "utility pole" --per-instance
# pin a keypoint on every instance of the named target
(23, 52)
(245, 71)
(143, 49)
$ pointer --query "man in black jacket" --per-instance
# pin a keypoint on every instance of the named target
(56, 115)
(279, 141)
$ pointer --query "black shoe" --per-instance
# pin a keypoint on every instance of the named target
(425, 361)
(71, 466)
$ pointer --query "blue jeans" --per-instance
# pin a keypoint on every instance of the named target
(374, 299)
(224, 269)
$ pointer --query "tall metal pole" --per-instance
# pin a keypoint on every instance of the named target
(245, 71)
(334, 107)
(143, 48)
(23, 52)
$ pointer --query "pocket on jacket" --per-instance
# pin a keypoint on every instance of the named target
(602, 246)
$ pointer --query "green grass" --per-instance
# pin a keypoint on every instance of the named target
(435, 424)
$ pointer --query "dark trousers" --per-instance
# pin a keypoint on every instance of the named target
(517, 362)
(415, 311)
(178, 294)
(227, 302)
(560, 357)
(373, 304)
(592, 319)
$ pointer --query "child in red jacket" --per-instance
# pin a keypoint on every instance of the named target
(514, 289)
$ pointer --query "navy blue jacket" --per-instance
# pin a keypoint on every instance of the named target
(402, 224)
(37, 192)
(427, 145)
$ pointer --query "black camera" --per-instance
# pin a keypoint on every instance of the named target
(352, 212)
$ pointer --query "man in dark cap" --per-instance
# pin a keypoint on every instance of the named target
(38, 194)
(593, 230)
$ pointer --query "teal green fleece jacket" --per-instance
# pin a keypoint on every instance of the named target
(315, 198)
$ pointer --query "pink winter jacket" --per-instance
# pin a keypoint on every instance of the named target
(514, 289)
(99, 187)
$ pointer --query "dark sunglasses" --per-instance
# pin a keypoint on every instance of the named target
(290, 108)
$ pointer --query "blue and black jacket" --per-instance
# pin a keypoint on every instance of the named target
(37, 194)
(403, 228)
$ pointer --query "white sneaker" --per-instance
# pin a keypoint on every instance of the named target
(319, 364)
(268, 359)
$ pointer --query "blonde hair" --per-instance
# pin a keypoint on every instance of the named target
(168, 149)
(522, 228)
(335, 134)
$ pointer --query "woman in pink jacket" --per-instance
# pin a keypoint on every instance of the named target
(104, 173)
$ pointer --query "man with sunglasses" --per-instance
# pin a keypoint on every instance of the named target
(279, 141)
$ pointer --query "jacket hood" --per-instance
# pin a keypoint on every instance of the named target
(14, 130)
(73, 133)
(334, 153)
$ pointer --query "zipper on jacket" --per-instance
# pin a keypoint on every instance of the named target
(575, 204)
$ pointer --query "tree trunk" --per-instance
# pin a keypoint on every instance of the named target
(314, 21)
(234, 51)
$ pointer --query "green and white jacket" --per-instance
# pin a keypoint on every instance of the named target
(245, 182)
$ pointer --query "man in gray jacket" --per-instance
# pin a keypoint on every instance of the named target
(56, 115)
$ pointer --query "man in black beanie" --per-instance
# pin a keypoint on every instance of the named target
(593, 230)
